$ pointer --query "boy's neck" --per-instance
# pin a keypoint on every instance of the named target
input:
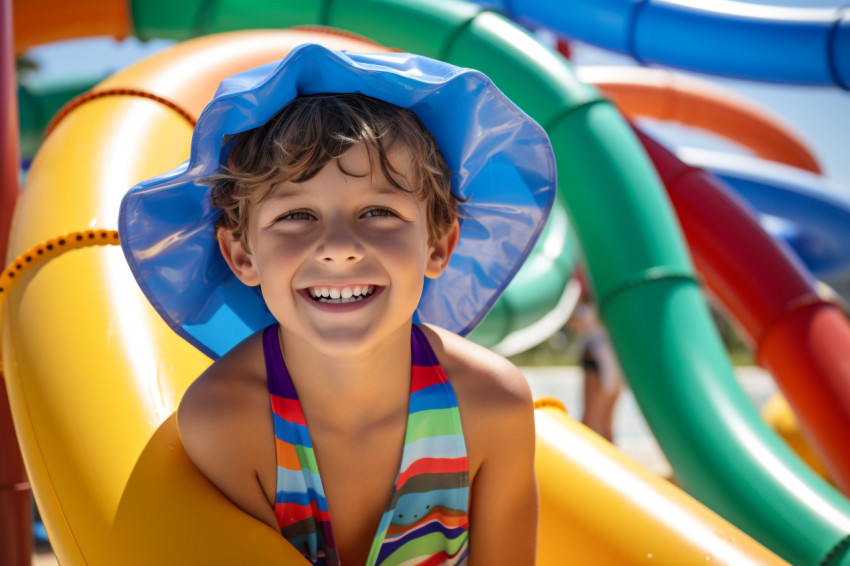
(364, 386)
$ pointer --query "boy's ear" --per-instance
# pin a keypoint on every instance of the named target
(239, 259)
(440, 252)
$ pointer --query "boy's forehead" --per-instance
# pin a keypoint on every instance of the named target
(379, 186)
(357, 163)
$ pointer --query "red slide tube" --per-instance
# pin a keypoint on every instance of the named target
(802, 339)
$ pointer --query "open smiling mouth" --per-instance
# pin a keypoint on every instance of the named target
(341, 295)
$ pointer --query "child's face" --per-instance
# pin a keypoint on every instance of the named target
(354, 237)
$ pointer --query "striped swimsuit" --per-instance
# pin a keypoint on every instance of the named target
(425, 521)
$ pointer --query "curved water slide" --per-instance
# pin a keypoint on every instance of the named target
(656, 267)
(800, 337)
(143, 492)
(748, 41)
(771, 288)
(781, 180)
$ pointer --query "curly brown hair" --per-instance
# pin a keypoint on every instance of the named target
(310, 131)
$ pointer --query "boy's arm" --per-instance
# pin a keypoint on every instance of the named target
(217, 422)
(505, 506)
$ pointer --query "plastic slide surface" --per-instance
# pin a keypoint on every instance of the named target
(748, 41)
(778, 414)
(111, 477)
(595, 499)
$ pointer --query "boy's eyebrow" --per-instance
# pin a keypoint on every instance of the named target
(283, 191)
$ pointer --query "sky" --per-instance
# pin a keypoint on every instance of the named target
(820, 115)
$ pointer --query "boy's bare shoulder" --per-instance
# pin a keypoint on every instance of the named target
(485, 382)
(224, 422)
(230, 386)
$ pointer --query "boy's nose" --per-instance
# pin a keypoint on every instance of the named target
(340, 245)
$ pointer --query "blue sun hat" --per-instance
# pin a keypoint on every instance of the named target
(501, 159)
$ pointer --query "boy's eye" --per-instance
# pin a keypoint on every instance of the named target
(378, 211)
(297, 215)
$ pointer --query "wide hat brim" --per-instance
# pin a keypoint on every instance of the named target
(502, 162)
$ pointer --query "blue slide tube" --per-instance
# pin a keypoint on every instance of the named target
(734, 39)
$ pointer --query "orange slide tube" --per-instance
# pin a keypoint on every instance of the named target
(667, 95)
(44, 21)
(96, 416)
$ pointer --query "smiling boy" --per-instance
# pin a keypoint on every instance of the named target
(360, 433)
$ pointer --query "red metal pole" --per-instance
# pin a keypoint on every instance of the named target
(15, 509)
(9, 153)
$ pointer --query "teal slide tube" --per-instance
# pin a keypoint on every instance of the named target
(538, 286)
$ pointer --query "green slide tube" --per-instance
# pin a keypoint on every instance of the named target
(640, 270)
(39, 101)
(721, 450)
(537, 288)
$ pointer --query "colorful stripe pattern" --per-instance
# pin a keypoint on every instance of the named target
(426, 520)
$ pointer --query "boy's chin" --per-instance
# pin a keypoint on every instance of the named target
(345, 341)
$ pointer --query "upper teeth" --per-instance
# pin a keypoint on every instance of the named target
(342, 294)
